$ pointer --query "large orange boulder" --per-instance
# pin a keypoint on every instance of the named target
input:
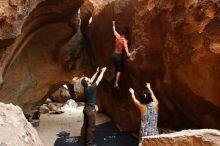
(177, 52)
(34, 60)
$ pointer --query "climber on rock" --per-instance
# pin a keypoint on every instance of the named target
(121, 43)
(148, 107)
(87, 130)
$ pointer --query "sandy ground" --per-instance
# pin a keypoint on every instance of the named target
(71, 122)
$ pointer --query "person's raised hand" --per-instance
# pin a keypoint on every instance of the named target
(131, 91)
(104, 69)
(113, 22)
(129, 55)
(148, 85)
(97, 70)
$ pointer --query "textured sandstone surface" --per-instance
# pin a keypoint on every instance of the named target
(13, 14)
(15, 129)
(203, 137)
(36, 61)
(178, 53)
(34, 70)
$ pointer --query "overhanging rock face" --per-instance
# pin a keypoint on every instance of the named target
(203, 137)
(13, 15)
(34, 60)
(15, 129)
(178, 52)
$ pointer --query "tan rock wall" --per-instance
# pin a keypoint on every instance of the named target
(34, 60)
(15, 129)
(178, 54)
(13, 14)
(203, 137)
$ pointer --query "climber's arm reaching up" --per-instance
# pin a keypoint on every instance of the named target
(94, 76)
(137, 102)
(100, 76)
(152, 93)
(117, 35)
(156, 102)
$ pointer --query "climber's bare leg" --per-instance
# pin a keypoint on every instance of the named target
(117, 77)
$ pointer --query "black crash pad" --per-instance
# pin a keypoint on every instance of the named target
(106, 134)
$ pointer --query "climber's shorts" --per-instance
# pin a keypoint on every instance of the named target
(118, 61)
